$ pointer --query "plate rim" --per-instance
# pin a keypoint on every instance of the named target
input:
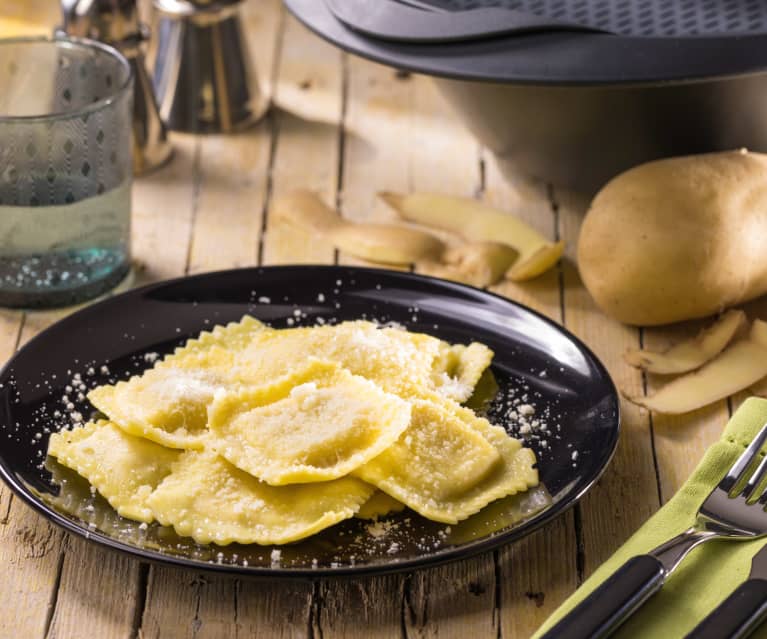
(438, 557)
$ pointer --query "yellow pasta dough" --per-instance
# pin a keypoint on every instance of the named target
(379, 505)
(230, 339)
(123, 468)
(399, 362)
(167, 405)
(449, 463)
(460, 369)
(208, 499)
(287, 432)
(317, 424)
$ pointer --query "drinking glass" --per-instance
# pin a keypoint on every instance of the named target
(65, 170)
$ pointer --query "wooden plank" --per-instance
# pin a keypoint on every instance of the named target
(205, 606)
(30, 552)
(163, 213)
(29, 18)
(627, 494)
(230, 200)
(400, 136)
(233, 168)
(541, 571)
(29, 547)
(34, 558)
(95, 584)
(36, 547)
(99, 587)
(680, 440)
(211, 607)
(10, 329)
(307, 148)
(375, 157)
(232, 192)
(181, 603)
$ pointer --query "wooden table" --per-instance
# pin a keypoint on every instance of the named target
(346, 128)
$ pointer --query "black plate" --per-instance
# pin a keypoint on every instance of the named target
(534, 358)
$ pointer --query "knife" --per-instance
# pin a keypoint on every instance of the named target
(423, 22)
(743, 611)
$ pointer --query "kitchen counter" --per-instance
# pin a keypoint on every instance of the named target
(346, 128)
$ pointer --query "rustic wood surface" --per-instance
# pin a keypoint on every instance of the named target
(346, 128)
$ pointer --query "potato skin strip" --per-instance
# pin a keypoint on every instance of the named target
(380, 243)
(693, 353)
(478, 222)
(737, 367)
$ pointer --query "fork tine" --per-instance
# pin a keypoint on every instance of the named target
(738, 469)
(755, 479)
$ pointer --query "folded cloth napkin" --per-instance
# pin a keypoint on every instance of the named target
(711, 571)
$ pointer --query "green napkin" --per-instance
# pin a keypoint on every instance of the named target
(711, 571)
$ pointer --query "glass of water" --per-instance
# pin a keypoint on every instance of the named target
(65, 171)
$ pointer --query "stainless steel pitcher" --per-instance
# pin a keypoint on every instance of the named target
(116, 22)
(202, 71)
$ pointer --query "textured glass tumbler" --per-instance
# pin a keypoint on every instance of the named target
(65, 171)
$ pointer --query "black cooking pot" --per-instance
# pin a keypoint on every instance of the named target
(575, 91)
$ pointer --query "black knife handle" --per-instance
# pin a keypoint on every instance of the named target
(600, 614)
(738, 615)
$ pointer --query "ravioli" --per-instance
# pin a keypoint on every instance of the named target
(460, 369)
(379, 505)
(210, 500)
(314, 425)
(167, 405)
(449, 463)
(123, 468)
(230, 339)
(398, 361)
(287, 432)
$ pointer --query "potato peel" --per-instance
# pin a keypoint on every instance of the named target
(484, 263)
(736, 368)
(478, 222)
(692, 353)
(536, 263)
(307, 210)
(386, 244)
(381, 243)
(445, 272)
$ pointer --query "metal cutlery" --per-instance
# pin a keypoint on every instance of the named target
(729, 512)
(744, 610)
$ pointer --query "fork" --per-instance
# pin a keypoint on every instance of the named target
(726, 514)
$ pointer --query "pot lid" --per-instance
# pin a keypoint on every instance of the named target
(626, 55)
(438, 21)
(450, 20)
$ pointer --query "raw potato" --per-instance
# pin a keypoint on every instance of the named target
(736, 368)
(692, 353)
(382, 243)
(478, 222)
(678, 238)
